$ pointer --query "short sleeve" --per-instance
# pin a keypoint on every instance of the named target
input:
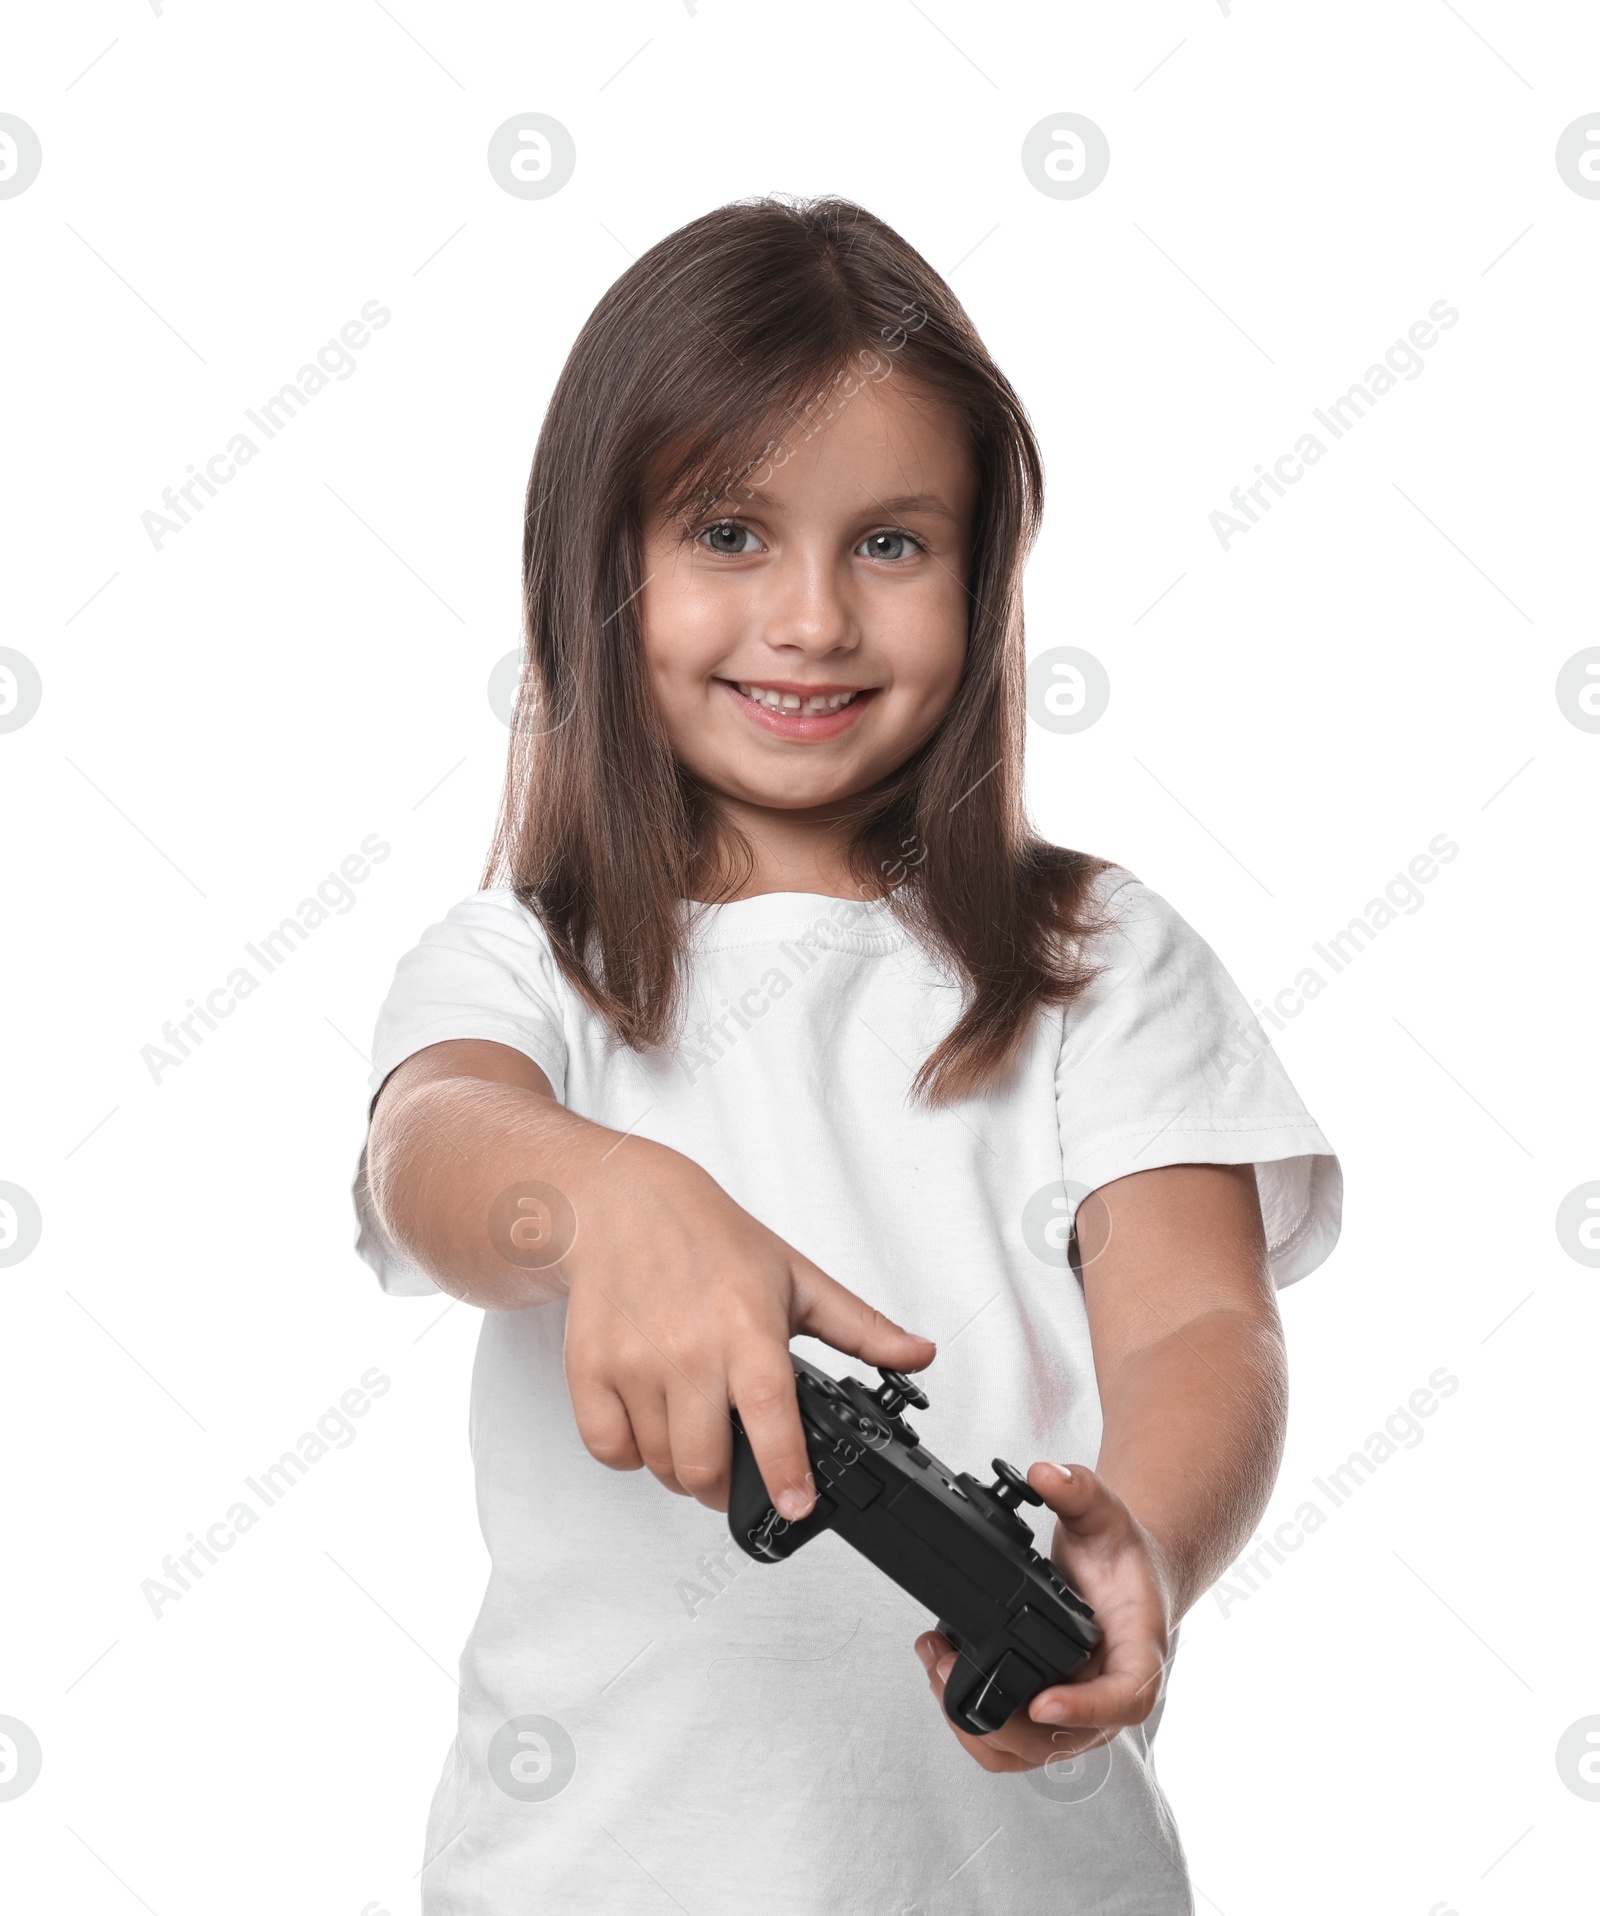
(1162, 1062)
(484, 971)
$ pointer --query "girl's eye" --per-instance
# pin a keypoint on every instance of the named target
(888, 545)
(726, 537)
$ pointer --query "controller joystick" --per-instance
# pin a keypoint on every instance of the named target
(1010, 1487)
(896, 1391)
(952, 1543)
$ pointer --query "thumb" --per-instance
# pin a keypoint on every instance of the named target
(1076, 1495)
(824, 1308)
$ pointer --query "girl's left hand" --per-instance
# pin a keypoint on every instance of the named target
(1113, 1562)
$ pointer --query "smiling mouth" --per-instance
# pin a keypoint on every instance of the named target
(805, 705)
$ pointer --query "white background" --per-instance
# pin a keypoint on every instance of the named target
(225, 719)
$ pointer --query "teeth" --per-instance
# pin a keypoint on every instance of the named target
(792, 702)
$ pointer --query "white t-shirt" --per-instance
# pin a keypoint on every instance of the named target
(649, 1718)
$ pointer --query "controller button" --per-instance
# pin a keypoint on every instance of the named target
(1038, 1634)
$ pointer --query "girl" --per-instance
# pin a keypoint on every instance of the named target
(775, 1019)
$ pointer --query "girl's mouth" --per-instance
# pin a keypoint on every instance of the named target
(798, 711)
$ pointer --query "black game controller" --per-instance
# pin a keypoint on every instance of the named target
(950, 1542)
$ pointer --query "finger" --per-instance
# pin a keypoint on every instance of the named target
(700, 1434)
(602, 1421)
(1081, 1501)
(763, 1393)
(825, 1309)
(647, 1413)
(930, 1647)
(1122, 1681)
(1124, 1692)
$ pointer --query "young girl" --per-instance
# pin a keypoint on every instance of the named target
(773, 1020)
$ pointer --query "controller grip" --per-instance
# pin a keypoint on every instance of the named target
(755, 1524)
(981, 1700)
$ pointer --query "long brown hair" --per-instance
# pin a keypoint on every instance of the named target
(693, 367)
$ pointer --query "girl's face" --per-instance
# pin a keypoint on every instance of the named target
(808, 634)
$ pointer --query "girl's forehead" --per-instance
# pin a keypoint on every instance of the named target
(892, 430)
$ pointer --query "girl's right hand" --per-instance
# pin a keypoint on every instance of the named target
(680, 1305)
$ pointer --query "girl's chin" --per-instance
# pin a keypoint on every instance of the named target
(796, 797)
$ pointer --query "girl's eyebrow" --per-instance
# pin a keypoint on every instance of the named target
(917, 502)
(926, 502)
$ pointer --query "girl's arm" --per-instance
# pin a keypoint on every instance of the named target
(1189, 1355)
(679, 1303)
(1190, 1363)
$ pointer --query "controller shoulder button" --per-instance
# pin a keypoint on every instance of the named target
(1036, 1633)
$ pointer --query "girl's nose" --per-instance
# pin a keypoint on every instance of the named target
(809, 609)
